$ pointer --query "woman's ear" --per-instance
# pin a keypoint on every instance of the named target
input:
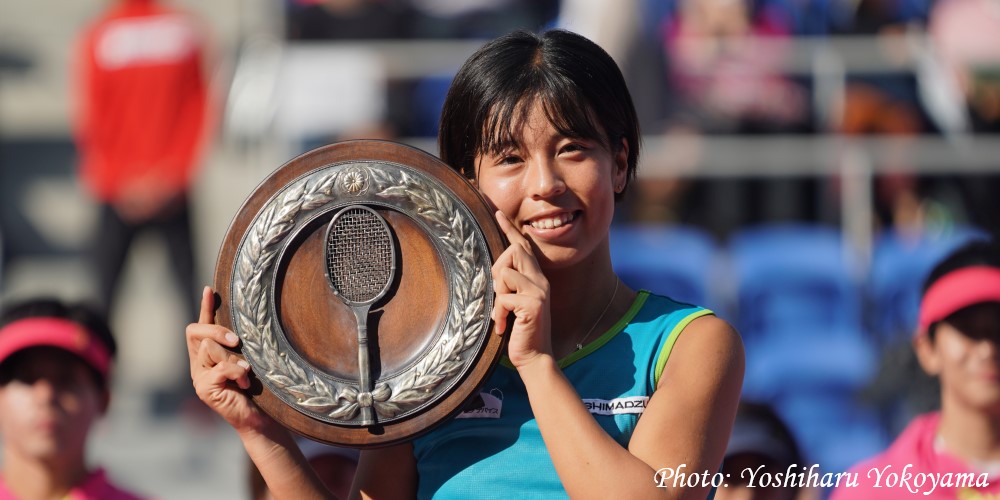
(927, 355)
(620, 176)
(473, 175)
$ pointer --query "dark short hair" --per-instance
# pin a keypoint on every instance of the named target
(980, 252)
(581, 88)
(82, 314)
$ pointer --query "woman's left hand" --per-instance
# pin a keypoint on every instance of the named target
(521, 288)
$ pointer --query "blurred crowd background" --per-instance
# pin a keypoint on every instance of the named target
(805, 162)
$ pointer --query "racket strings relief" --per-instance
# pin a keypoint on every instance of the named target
(361, 265)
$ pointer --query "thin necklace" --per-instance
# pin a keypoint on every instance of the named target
(579, 345)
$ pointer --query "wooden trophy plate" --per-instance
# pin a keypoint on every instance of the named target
(429, 337)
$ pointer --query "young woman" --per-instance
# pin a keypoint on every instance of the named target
(55, 368)
(545, 128)
(954, 452)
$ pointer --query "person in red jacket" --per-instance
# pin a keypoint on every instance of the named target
(142, 116)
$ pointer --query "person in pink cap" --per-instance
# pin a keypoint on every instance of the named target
(55, 364)
(953, 453)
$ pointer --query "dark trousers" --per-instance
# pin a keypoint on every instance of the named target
(114, 239)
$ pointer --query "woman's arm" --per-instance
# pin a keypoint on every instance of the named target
(219, 378)
(686, 422)
(695, 404)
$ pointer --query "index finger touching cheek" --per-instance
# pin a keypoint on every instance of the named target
(511, 232)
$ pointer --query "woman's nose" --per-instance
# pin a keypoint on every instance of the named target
(545, 179)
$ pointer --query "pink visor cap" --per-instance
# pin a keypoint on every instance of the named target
(958, 290)
(55, 332)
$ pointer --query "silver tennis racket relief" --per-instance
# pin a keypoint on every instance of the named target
(360, 265)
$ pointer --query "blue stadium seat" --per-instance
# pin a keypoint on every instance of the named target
(670, 260)
(793, 276)
(799, 310)
(802, 360)
(813, 378)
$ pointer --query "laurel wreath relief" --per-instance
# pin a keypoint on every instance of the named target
(460, 243)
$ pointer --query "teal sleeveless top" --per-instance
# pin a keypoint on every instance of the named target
(494, 449)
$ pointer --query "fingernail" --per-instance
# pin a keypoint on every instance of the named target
(243, 364)
(232, 338)
(205, 290)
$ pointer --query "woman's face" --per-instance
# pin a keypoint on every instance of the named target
(48, 407)
(559, 191)
(965, 354)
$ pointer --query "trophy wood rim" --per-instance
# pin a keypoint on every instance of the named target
(483, 362)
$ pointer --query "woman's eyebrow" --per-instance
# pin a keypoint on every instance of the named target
(502, 146)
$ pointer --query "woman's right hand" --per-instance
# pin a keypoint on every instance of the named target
(219, 376)
(220, 379)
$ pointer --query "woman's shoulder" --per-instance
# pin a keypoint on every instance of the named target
(710, 337)
(655, 305)
(693, 334)
(676, 316)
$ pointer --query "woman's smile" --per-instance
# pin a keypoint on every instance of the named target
(552, 227)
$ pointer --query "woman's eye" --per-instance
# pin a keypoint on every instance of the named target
(509, 160)
(572, 147)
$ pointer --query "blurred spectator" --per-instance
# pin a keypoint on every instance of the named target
(142, 120)
(55, 360)
(957, 341)
(887, 103)
(762, 443)
(726, 64)
(965, 35)
(334, 465)
(143, 102)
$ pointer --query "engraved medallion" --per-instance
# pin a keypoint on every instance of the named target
(358, 280)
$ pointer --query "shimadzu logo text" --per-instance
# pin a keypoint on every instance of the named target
(617, 406)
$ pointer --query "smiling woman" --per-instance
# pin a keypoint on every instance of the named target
(602, 385)
(951, 453)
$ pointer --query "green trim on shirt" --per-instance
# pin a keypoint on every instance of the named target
(661, 359)
(640, 300)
